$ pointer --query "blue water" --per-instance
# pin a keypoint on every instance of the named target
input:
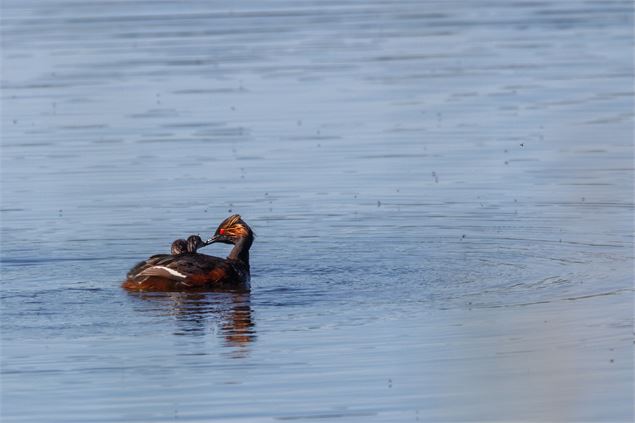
(442, 194)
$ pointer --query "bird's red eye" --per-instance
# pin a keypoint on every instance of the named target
(221, 231)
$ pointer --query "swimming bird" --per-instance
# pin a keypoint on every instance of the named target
(190, 270)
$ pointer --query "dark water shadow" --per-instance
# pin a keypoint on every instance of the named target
(228, 314)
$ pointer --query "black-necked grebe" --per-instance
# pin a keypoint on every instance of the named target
(189, 270)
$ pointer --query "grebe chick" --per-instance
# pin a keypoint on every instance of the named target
(179, 246)
(195, 271)
(194, 242)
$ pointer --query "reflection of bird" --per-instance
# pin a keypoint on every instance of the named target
(238, 326)
(192, 271)
(193, 312)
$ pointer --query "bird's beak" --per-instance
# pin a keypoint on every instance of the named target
(212, 240)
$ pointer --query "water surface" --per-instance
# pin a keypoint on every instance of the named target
(442, 194)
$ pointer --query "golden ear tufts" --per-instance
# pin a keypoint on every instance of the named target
(230, 221)
(234, 226)
(234, 219)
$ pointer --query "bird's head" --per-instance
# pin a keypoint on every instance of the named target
(231, 230)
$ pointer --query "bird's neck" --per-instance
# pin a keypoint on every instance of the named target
(241, 250)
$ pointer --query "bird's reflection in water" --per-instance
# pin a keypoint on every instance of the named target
(227, 314)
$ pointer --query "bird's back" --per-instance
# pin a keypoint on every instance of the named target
(190, 271)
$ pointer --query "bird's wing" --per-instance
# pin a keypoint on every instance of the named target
(176, 268)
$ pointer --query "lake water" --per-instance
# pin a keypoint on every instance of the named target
(442, 193)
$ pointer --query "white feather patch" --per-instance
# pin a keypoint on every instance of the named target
(162, 271)
(172, 271)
